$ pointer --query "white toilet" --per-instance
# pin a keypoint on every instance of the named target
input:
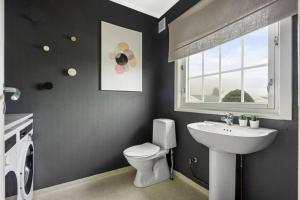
(150, 159)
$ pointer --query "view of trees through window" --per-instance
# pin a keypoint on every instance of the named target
(236, 71)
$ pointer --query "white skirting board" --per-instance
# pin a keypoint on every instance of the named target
(109, 174)
(83, 181)
(11, 198)
(191, 183)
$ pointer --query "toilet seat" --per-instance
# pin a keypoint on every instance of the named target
(142, 151)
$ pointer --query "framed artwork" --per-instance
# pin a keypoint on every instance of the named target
(121, 58)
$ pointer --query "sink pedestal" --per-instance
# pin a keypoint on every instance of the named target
(222, 170)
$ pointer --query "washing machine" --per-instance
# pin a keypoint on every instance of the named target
(25, 165)
(11, 164)
(19, 158)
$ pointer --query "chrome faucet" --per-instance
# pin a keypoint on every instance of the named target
(228, 119)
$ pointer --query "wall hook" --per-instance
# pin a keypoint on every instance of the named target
(45, 86)
(73, 38)
(46, 48)
(70, 72)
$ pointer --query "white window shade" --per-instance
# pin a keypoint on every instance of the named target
(213, 22)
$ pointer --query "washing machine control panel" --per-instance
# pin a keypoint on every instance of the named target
(26, 130)
(10, 143)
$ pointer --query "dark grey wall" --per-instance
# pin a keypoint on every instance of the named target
(79, 130)
(269, 174)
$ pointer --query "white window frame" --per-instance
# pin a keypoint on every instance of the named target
(280, 95)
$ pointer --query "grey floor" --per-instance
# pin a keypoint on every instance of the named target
(120, 187)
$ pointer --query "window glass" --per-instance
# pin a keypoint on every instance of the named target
(231, 87)
(256, 83)
(195, 90)
(256, 48)
(211, 88)
(211, 61)
(231, 55)
(195, 65)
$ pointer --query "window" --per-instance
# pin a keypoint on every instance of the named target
(250, 74)
(236, 71)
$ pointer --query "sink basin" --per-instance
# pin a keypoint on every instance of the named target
(224, 142)
(232, 139)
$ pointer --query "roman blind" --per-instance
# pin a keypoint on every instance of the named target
(212, 22)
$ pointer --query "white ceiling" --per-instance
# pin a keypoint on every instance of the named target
(155, 8)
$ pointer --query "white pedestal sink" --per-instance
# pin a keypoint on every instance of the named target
(224, 142)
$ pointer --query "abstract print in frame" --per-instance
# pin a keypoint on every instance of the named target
(121, 58)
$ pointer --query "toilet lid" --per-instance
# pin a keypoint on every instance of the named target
(144, 150)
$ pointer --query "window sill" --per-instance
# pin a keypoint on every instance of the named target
(265, 115)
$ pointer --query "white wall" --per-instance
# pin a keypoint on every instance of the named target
(2, 190)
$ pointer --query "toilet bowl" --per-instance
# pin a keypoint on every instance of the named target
(151, 169)
(149, 159)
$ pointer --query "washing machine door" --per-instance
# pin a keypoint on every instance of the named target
(26, 170)
(11, 185)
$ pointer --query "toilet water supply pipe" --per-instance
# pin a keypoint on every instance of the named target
(172, 165)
